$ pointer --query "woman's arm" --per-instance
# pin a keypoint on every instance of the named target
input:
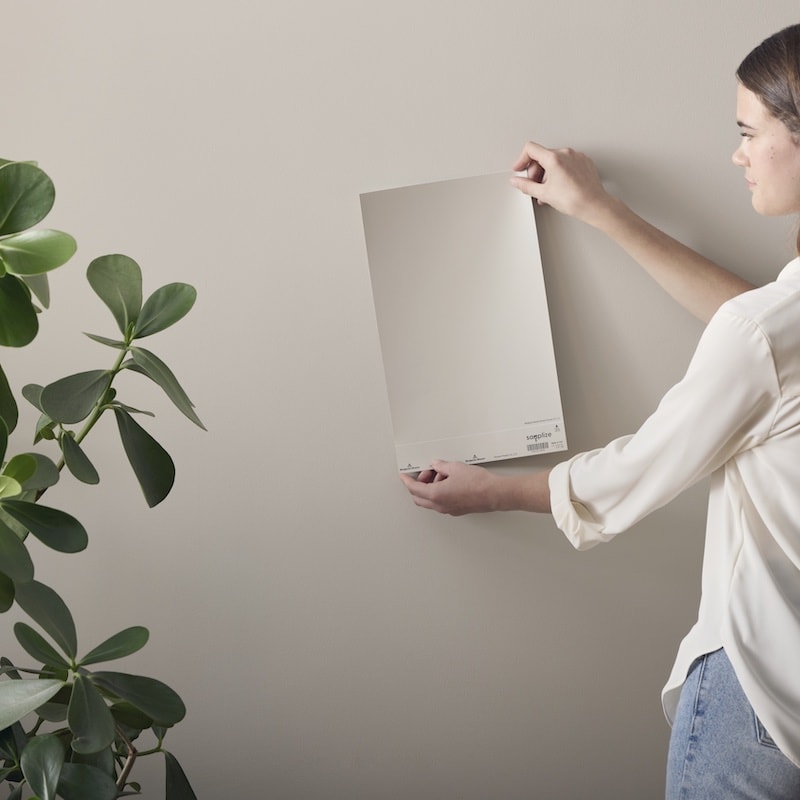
(451, 487)
(568, 181)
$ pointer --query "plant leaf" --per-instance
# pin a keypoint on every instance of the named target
(35, 252)
(117, 281)
(20, 468)
(36, 646)
(41, 764)
(150, 696)
(19, 698)
(50, 612)
(15, 561)
(9, 413)
(40, 287)
(45, 429)
(177, 784)
(119, 645)
(44, 476)
(12, 742)
(9, 487)
(85, 782)
(26, 196)
(32, 392)
(152, 465)
(77, 461)
(164, 308)
(72, 399)
(3, 440)
(119, 345)
(18, 320)
(57, 529)
(125, 714)
(154, 368)
(89, 718)
(6, 593)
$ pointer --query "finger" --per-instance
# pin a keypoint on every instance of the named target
(531, 153)
(409, 481)
(427, 476)
(527, 186)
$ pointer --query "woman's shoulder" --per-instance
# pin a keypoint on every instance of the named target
(773, 305)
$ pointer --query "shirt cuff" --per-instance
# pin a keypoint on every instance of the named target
(572, 518)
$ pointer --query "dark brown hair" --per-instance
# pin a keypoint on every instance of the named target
(771, 72)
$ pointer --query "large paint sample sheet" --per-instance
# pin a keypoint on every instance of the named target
(463, 323)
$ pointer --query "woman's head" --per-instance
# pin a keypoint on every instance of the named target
(768, 113)
(772, 72)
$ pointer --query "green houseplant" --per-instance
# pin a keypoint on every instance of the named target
(67, 729)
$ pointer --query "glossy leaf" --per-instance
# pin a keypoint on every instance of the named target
(177, 784)
(21, 468)
(15, 561)
(72, 399)
(3, 440)
(9, 412)
(117, 281)
(32, 392)
(122, 644)
(150, 696)
(18, 319)
(35, 252)
(36, 646)
(55, 710)
(77, 461)
(152, 465)
(89, 718)
(19, 698)
(154, 368)
(132, 410)
(41, 764)
(45, 429)
(129, 717)
(40, 287)
(6, 593)
(50, 612)
(12, 742)
(85, 782)
(115, 343)
(164, 308)
(9, 487)
(7, 668)
(44, 476)
(26, 196)
(102, 760)
(16, 793)
(57, 529)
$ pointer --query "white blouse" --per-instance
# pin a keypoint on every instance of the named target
(736, 417)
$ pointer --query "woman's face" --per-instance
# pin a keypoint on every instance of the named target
(770, 156)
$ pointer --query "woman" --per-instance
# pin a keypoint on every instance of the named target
(733, 697)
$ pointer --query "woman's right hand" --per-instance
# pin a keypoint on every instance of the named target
(564, 179)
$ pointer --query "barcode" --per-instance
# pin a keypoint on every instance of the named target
(534, 448)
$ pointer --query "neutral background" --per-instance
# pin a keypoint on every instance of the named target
(330, 639)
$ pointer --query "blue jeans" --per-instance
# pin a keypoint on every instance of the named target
(718, 749)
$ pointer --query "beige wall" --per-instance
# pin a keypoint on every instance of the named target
(330, 640)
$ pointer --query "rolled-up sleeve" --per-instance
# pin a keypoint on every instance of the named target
(726, 403)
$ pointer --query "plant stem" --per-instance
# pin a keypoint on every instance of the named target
(129, 761)
(97, 411)
(100, 407)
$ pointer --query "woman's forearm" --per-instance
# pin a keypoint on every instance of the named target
(697, 283)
